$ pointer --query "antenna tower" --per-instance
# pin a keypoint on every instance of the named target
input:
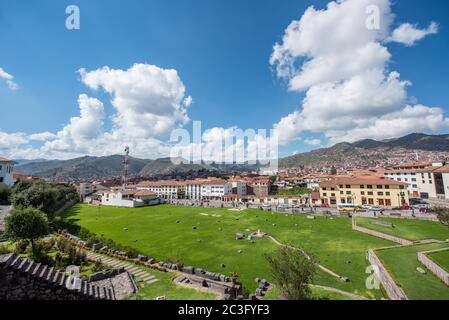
(125, 168)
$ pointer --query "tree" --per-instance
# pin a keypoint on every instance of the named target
(443, 215)
(4, 193)
(292, 271)
(48, 197)
(26, 224)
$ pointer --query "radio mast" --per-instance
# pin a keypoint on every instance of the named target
(125, 168)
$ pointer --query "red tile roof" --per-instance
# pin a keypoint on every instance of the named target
(360, 181)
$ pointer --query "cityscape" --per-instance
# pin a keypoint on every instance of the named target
(241, 165)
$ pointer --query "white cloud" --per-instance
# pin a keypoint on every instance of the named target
(9, 79)
(343, 67)
(188, 101)
(148, 99)
(409, 34)
(312, 142)
(11, 140)
(148, 103)
(42, 136)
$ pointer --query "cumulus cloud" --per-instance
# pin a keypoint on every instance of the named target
(148, 99)
(343, 67)
(9, 79)
(149, 102)
(42, 136)
(312, 142)
(409, 34)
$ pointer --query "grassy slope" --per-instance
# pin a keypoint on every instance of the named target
(441, 258)
(408, 229)
(154, 231)
(402, 264)
(166, 287)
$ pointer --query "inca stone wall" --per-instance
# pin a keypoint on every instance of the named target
(377, 234)
(433, 267)
(22, 279)
(392, 289)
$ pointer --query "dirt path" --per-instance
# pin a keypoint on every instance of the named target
(323, 268)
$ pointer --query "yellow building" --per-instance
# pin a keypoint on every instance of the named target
(374, 191)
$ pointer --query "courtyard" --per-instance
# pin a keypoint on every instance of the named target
(206, 238)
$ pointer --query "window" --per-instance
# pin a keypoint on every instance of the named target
(388, 202)
(370, 187)
(324, 194)
(348, 186)
(387, 193)
(1, 179)
(370, 193)
(362, 193)
(387, 187)
(380, 193)
(379, 187)
(348, 192)
(362, 187)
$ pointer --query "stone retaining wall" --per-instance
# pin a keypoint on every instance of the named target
(22, 279)
(392, 289)
(432, 266)
(379, 234)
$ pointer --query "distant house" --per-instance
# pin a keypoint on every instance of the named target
(129, 198)
(6, 171)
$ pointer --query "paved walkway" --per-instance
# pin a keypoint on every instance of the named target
(135, 270)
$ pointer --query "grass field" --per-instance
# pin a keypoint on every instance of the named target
(441, 258)
(408, 229)
(166, 287)
(402, 264)
(154, 231)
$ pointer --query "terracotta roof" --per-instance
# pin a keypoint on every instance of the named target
(2, 159)
(217, 182)
(161, 183)
(424, 170)
(360, 181)
(144, 193)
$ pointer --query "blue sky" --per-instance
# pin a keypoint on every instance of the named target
(220, 49)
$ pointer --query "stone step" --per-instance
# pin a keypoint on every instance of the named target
(148, 278)
(152, 281)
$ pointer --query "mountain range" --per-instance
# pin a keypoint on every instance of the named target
(368, 151)
(364, 151)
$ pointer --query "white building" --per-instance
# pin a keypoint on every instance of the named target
(129, 198)
(237, 187)
(6, 171)
(85, 188)
(215, 189)
(169, 189)
(426, 183)
(193, 189)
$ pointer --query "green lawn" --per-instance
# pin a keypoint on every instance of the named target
(441, 258)
(408, 229)
(402, 264)
(155, 232)
(166, 287)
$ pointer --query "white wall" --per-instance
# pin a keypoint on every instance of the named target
(446, 184)
(6, 173)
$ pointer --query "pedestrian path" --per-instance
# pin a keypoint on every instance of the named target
(136, 271)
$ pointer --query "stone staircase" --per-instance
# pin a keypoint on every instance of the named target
(56, 280)
(136, 271)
